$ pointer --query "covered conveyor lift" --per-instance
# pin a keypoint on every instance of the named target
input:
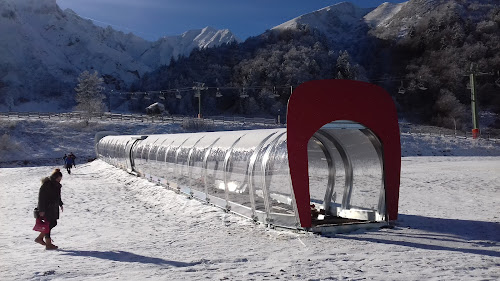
(335, 167)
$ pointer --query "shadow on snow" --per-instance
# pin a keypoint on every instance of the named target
(465, 229)
(466, 236)
(123, 256)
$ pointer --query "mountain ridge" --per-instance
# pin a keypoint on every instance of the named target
(43, 50)
(419, 51)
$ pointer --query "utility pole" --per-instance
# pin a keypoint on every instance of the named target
(198, 87)
(475, 116)
(473, 97)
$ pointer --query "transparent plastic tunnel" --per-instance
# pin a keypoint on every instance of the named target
(247, 172)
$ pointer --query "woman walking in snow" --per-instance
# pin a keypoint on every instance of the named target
(49, 201)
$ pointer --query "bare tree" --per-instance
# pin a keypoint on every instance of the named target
(88, 94)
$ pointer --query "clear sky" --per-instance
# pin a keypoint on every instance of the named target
(152, 19)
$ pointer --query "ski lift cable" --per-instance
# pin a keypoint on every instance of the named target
(219, 88)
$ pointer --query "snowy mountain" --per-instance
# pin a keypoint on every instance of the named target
(346, 26)
(396, 21)
(160, 52)
(340, 22)
(43, 49)
(345, 22)
(383, 14)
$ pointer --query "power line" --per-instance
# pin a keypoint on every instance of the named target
(197, 87)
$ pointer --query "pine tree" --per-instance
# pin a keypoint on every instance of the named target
(88, 94)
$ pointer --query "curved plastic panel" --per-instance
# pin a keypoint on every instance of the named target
(242, 171)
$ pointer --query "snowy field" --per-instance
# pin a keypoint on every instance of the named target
(117, 226)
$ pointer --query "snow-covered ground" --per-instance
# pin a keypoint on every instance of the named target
(117, 226)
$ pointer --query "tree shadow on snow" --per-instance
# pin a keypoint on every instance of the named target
(123, 256)
(442, 234)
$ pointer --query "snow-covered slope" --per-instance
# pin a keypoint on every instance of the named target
(43, 49)
(42, 45)
(340, 22)
(383, 14)
(396, 20)
(160, 52)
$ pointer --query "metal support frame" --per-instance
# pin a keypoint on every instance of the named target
(251, 169)
(331, 174)
(227, 157)
(151, 145)
(205, 165)
(130, 150)
(380, 153)
(346, 159)
(165, 159)
(160, 147)
(190, 167)
(266, 180)
(177, 151)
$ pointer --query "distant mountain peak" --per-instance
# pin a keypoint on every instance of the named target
(383, 14)
(46, 48)
(340, 23)
(327, 18)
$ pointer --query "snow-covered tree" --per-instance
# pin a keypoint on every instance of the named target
(346, 69)
(88, 94)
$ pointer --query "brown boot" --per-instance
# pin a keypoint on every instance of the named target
(49, 245)
(39, 239)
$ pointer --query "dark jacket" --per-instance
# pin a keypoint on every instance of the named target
(49, 198)
(69, 161)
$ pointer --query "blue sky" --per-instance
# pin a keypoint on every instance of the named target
(152, 19)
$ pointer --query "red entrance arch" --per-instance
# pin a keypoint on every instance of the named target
(316, 103)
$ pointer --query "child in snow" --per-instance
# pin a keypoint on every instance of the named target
(68, 163)
(74, 158)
